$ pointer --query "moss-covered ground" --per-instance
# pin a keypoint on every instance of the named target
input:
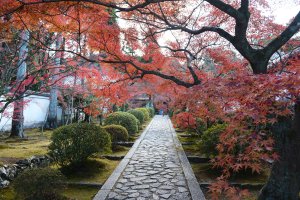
(95, 170)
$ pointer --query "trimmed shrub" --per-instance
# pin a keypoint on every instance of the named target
(125, 119)
(145, 112)
(151, 112)
(138, 114)
(39, 184)
(210, 139)
(117, 133)
(73, 144)
(139, 124)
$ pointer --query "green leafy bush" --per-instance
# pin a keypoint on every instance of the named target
(74, 143)
(138, 114)
(125, 119)
(139, 124)
(210, 139)
(117, 133)
(151, 112)
(39, 184)
(201, 126)
(145, 112)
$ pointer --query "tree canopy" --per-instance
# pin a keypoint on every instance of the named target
(216, 60)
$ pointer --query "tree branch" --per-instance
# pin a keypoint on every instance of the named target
(285, 36)
(156, 73)
(226, 8)
(97, 2)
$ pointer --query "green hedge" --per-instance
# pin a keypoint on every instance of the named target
(138, 114)
(117, 133)
(74, 143)
(151, 112)
(125, 119)
(210, 139)
(39, 184)
(145, 112)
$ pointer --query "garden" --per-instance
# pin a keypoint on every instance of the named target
(199, 144)
(81, 81)
(81, 157)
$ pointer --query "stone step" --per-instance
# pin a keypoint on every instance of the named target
(86, 184)
(198, 159)
(109, 157)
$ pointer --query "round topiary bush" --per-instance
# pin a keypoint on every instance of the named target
(145, 112)
(117, 133)
(39, 184)
(125, 119)
(210, 139)
(138, 114)
(73, 144)
(151, 112)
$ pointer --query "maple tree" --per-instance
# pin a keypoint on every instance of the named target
(24, 71)
(243, 89)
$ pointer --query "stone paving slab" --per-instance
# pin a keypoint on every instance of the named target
(156, 167)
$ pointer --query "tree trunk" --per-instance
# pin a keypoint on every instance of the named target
(284, 181)
(52, 117)
(17, 129)
(86, 118)
(101, 119)
(259, 62)
(77, 112)
(259, 67)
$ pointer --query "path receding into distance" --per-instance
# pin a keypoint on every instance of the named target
(156, 167)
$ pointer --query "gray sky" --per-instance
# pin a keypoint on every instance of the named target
(284, 10)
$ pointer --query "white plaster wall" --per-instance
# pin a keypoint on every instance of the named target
(34, 113)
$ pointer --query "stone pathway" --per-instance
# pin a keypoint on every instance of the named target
(154, 169)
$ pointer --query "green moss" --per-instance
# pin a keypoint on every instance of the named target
(80, 192)
(4, 146)
(191, 138)
(246, 176)
(93, 170)
(191, 150)
(7, 194)
(34, 144)
(119, 151)
(25, 149)
(72, 192)
(204, 172)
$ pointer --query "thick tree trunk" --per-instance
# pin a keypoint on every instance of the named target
(101, 119)
(76, 118)
(284, 181)
(52, 117)
(259, 66)
(87, 118)
(17, 129)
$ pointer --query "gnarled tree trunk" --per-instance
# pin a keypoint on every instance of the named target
(284, 181)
